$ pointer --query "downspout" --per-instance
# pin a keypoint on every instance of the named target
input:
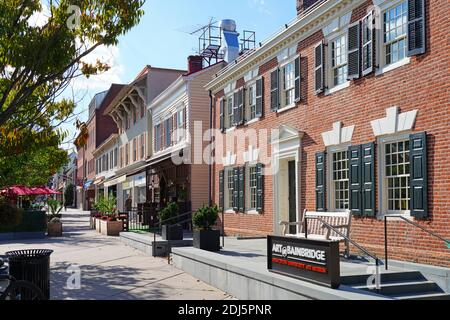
(210, 142)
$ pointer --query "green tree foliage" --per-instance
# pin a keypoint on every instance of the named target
(39, 61)
(68, 194)
(32, 168)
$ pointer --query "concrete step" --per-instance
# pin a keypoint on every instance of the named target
(361, 279)
(425, 296)
(394, 289)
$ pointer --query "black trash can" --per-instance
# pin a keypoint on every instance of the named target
(32, 266)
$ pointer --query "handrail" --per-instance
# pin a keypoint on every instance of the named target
(386, 217)
(160, 223)
(373, 256)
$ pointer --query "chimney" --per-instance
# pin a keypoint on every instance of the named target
(230, 38)
(195, 64)
(303, 5)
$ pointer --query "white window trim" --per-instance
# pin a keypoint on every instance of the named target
(382, 191)
(247, 111)
(229, 126)
(329, 172)
(381, 48)
(247, 189)
(226, 193)
(280, 67)
(329, 79)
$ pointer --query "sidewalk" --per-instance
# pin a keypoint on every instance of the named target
(109, 269)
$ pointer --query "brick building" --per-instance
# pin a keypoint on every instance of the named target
(358, 91)
(100, 127)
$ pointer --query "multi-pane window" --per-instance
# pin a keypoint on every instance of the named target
(289, 84)
(180, 125)
(230, 187)
(230, 112)
(134, 150)
(252, 102)
(339, 59)
(143, 146)
(158, 138)
(252, 186)
(395, 22)
(397, 173)
(340, 180)
(168, 133)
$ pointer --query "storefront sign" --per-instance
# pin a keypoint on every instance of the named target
(306, 259)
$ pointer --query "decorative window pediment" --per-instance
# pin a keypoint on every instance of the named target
(229, 159)
(338, 135)
(252, 155)
(394, 122)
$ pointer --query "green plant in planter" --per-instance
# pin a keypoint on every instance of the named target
(170, 211)
(205, 218)
(10, 215)
(107, 206)
(54, 208)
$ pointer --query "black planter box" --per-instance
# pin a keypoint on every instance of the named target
(174, 232)
(208, 240)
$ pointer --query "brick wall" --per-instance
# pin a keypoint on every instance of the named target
(423, 85)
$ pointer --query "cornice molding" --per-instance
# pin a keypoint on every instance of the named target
(297, 31)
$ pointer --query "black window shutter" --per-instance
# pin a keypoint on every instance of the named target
(259, 97)
(241, 204)
(236, 189)
(275, 90)
(241, 106)
(416, 27)
(320, 181)
(297, 79)
(355, 180)
(236, 108)
(319, 68)
(368, 179)
(259, 187)
(221, 189)
(222, 115)
(367, 44)
(354, 43)
(418, 175)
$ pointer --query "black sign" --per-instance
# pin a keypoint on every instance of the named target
(306, 259)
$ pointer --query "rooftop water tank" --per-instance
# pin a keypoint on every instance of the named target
(228, 25)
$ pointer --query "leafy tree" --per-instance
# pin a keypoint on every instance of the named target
(39, 61)
(68, 194)
(32, 168)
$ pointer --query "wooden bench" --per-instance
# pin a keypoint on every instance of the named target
(317, 230)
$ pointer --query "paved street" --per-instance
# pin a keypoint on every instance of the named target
(109, 269)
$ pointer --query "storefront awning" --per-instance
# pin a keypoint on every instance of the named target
(156, 160)
(112, 182)
(99, 180)
(88, 184)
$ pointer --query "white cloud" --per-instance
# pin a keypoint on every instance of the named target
(39, 18)
(109, 55)
(262, 6)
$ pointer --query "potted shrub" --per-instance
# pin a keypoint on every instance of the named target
(54, 227)
(205, 237)
(109, 225)
(171, 230)
(54, 209)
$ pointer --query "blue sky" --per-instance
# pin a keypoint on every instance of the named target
(162, 38)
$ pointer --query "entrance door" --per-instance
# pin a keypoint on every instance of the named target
(292, 197)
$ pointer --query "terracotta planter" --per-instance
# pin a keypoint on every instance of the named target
(54, 229)
(111, 228)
